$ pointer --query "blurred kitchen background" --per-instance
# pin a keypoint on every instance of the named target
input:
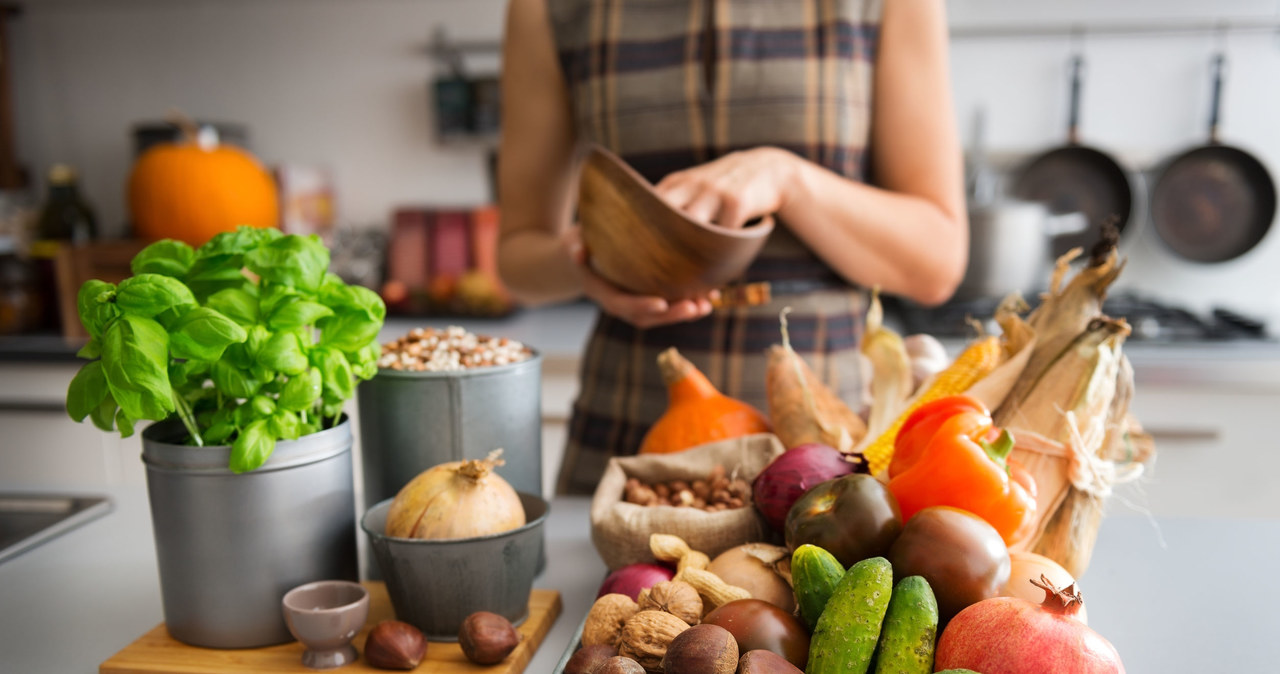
(388, 109)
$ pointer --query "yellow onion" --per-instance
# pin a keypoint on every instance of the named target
(459, 499)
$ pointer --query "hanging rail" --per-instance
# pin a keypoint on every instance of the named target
(1119, 28)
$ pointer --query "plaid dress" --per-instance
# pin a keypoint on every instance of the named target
(670, 84)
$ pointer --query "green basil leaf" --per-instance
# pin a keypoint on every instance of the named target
(237, 242)
(300, 392)
(364, 362)
(349, 330)
(236, 304)
(104, 415)
(283, 354)
(96, 305)
(252, 448)
(262, 406)
(189, 372)
(298, 261)
(285, 425)
(203, 334)
(91, 349)
(135, 359)
(258, 337)
(274, 296)
(124, 423)
(217, 434)
(234, 382)
(166, 257)
(354, 298)
(87, 390)
(210, 274)
(147, 295)
(339, 381)
(297, 314)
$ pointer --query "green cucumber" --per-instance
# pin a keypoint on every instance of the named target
(815, 573)
(910, 629)
(849, 628)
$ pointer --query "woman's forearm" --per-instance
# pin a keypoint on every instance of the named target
(537, 267)
(904, 243)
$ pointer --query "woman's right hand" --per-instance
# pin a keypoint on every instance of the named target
(642, 311)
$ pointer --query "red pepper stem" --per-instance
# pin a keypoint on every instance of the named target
(999, 450)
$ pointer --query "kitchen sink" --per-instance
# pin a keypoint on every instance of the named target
(27, 520)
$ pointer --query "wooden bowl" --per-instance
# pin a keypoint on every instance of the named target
(637, 241)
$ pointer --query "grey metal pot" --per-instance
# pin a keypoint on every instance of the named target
(1009, 247)
(411, 421)
(229, 545)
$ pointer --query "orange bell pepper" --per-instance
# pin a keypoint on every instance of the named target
(963, 466)
(923, 423)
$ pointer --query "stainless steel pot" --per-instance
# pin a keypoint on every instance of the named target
(1009, 247)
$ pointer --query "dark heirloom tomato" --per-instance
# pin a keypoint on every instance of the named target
(963, 558)
(758, 625)
(854, 517)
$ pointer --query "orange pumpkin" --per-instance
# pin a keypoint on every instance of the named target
(696, 412)
(193, 189)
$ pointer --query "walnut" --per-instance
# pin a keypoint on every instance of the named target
(606, 618)
(678, 598)
(646, 636)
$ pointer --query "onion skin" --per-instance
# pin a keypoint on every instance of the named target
(633, 578)
(459, 499)
(793, 473)
(1025, 567)
(1009, 635)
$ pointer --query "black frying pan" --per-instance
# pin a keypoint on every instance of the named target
(1214, 202)
(1078, 178)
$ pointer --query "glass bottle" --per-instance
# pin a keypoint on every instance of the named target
(66, 216)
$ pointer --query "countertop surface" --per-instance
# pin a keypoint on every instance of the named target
(1173, 595)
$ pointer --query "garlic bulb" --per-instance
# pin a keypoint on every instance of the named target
(459, 499)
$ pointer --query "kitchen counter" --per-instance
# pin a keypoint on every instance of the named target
(1172, 594)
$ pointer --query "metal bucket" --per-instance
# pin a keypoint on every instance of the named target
(411, 421)
(230, 546)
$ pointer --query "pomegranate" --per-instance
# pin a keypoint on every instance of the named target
(1009, 635)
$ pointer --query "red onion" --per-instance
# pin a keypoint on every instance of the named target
(790, 475)
(632, 578)
(1006, 635)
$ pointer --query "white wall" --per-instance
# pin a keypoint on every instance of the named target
(343, 83)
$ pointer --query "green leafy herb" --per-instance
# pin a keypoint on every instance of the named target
(247, 340)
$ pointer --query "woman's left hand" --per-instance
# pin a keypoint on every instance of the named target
(733, 189)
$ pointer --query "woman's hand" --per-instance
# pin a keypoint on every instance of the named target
(733, 189)
(642, 311)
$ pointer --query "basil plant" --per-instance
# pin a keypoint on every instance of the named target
(247, 339)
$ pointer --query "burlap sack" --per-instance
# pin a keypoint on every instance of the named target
(620, 530)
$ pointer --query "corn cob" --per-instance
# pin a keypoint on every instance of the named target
(975, 362)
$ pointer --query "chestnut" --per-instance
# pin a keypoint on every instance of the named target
(487, 638)
(394, 645)
(588, 658)
(702, 649)
(619, 665)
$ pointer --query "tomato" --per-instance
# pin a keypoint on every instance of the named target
(758, 625)
(963, 558)
(853, 517)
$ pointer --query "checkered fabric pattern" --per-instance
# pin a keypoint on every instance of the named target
(670, 84)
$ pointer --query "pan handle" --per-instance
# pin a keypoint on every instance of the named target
(1219, 68)
(1073, 115)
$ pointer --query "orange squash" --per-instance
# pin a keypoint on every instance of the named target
(696, 412)
(193, 189)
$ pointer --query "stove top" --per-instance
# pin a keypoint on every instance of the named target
(1152, 321)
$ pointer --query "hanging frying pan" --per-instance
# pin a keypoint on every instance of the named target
(1079, 178)
(1215, 202)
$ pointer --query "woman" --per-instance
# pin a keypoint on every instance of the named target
(834, 115)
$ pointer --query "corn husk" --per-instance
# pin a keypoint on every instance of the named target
(891, 380)
(1061, 429)
(1017, 341)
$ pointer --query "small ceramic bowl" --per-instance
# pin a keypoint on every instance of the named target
(435, 585)
(325, 616)
(636, 240)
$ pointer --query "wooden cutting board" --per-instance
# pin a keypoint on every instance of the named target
(157, 653)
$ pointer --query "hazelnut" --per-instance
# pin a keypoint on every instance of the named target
(588, 658)
(702, 649)
(394, 645)
(676, 597)
(765, 662)
(606, 618)
(487, 638)
(619, 665)
(646, 636)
